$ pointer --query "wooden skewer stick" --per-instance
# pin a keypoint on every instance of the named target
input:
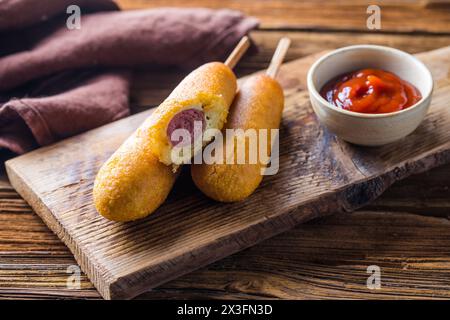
(278, 56)
(238, 52)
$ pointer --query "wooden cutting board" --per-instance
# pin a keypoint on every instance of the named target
(319, 175)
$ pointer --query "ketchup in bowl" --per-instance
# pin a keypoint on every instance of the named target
(370, 91)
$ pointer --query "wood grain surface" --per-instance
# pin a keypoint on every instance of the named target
(397, 15)
(319, 175)
(319, 258)
(149, 88)
(325, 258)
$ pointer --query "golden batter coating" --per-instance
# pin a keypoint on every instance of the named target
(258, 105)
(134, 182)
(210, 88)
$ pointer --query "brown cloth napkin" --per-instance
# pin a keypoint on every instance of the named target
(56, 82)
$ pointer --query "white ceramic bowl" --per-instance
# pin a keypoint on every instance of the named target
(369, 129)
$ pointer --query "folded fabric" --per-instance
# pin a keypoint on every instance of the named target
(56, 82)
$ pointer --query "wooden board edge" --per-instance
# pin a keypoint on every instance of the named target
(25, 190)
(345, 200)
(238, 241)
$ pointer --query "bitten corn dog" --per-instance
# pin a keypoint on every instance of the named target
(137, 178)
(204, 96)
(258, 105)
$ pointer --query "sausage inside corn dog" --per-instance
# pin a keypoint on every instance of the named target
(137, 178)
(203, 97)
(258, 105)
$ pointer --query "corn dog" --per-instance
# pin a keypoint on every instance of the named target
(204, 96)
(137, 178)
(258, 105)
(133, 182)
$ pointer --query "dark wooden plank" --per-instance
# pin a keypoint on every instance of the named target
(151, 87)
(33, 261)
(316, 178)
(326, 258)
(414, 195)
(398, 16)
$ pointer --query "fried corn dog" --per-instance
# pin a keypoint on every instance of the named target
(258, 105)
(133, 182)
(204, 96)
(137, 178)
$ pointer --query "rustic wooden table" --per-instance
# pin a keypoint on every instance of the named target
(406, 232)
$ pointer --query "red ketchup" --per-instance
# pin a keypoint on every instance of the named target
(370, 91)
